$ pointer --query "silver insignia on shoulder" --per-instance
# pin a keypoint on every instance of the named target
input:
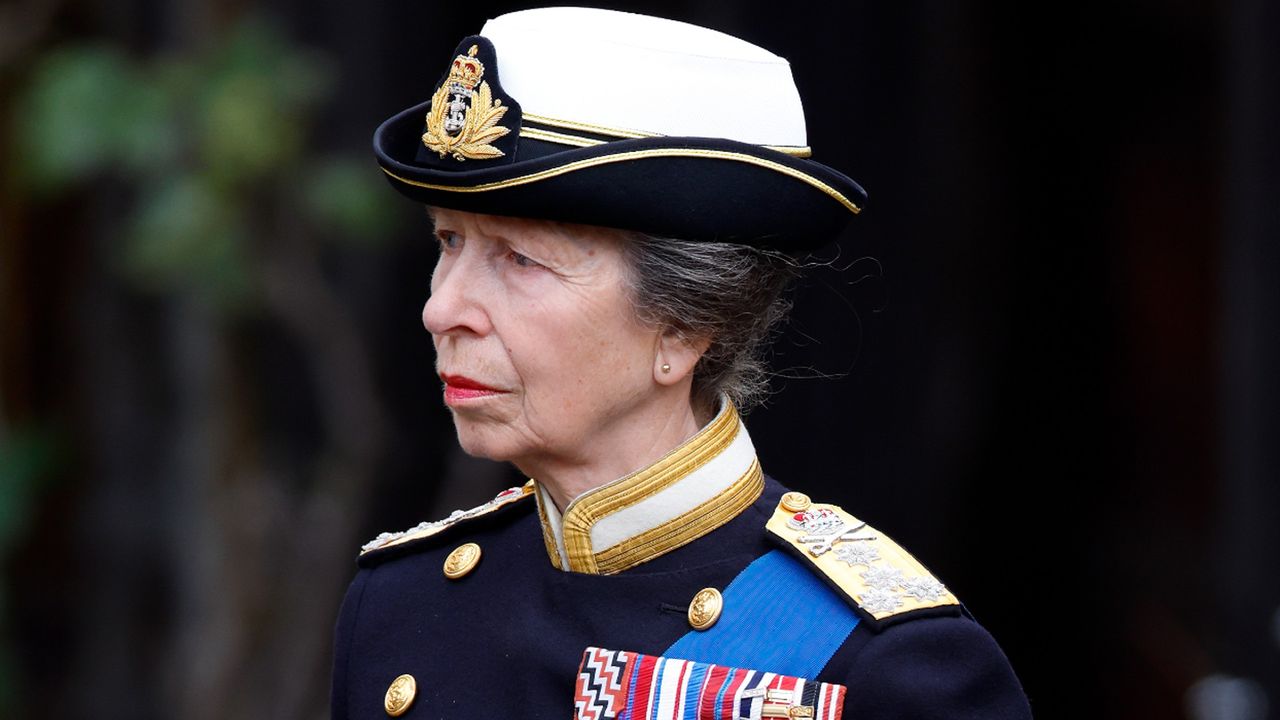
(427, 529)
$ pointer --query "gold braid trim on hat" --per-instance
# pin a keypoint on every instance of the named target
(639, 155)
(579, 141)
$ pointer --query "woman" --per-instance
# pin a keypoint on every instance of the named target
(649, 568)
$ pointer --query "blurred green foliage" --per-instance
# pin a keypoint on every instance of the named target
(196, 163)
(212, 148)
(86, 109)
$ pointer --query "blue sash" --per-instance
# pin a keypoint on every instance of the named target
(778, 616)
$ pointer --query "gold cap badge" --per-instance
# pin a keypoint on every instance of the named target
(463, 120)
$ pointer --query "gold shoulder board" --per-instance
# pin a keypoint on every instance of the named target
(868, 567)
(427, 529)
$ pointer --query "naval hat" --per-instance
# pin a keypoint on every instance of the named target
(620, 120)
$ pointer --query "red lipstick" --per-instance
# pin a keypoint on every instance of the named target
(459, 389)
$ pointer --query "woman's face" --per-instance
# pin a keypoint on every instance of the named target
(536, 339)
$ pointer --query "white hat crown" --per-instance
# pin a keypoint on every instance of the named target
(617, 70)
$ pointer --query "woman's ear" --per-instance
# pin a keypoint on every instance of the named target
(676, 357)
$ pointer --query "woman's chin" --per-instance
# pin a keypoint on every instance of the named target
(484, 442)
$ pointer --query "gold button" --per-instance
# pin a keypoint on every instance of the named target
(461, 561)
(795, 502)
(705, 609)
(400, 695)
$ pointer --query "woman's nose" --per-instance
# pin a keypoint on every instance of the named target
(454, 305)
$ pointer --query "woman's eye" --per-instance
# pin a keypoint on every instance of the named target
(449, 240)
(524, 260)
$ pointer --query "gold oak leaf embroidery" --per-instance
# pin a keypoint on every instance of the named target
(478, 130)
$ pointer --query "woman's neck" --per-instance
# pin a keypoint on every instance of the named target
(616, 451)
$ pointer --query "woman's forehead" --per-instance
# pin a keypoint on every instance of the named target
(512, 228)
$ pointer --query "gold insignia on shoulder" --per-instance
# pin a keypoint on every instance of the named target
(463, 121)
(867, 566)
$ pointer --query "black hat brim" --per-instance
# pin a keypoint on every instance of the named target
(683, 187)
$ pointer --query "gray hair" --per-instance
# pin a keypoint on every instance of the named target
(733, 296)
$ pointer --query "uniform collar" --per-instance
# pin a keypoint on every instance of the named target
(694, 489)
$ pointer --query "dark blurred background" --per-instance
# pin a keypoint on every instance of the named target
(1044, 357)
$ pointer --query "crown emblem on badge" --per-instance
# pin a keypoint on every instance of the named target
(466, 70)
(463, 121)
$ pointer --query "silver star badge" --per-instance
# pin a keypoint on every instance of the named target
(858, 554)
(880, 600)
(885, 577)
(924, 589)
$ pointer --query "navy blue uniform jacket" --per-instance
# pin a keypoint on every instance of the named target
(506, 639)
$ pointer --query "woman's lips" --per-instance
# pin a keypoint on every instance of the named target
(459, 389)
